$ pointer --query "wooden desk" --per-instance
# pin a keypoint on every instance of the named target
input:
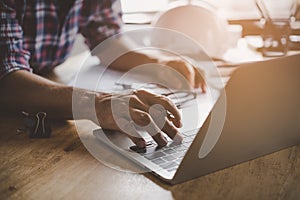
(61, 168)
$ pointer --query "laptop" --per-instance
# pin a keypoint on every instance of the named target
(256, 114)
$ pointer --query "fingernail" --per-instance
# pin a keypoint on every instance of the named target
(180, 124)
(163, 141)
(141, 144)
(203, 89)
(178, 138)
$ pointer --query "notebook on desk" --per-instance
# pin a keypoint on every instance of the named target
(262, 114)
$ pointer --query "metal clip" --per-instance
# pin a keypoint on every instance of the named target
(37, 125)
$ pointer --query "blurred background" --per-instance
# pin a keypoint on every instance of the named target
(243, 12)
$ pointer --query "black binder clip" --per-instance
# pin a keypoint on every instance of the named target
(37, 125)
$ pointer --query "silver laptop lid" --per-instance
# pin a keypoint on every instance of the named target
(262, 116)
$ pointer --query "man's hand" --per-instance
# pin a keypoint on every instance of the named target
(176, 73)
(191, 77)
(140, 109)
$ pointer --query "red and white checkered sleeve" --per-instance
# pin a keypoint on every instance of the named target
(99, 20)
(12, 56)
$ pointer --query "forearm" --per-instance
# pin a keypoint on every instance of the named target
(23, 91)
(130, 60)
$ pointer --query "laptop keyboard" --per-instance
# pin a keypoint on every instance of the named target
(170, 156)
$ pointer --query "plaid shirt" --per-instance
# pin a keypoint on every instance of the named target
(37, 35)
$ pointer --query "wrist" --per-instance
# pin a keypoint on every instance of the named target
(84, 104)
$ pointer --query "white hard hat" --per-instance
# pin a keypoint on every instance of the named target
(198, 21)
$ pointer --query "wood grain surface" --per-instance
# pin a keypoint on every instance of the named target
(61, 168)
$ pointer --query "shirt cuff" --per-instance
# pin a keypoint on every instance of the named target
(7, 72)
(14, 62)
